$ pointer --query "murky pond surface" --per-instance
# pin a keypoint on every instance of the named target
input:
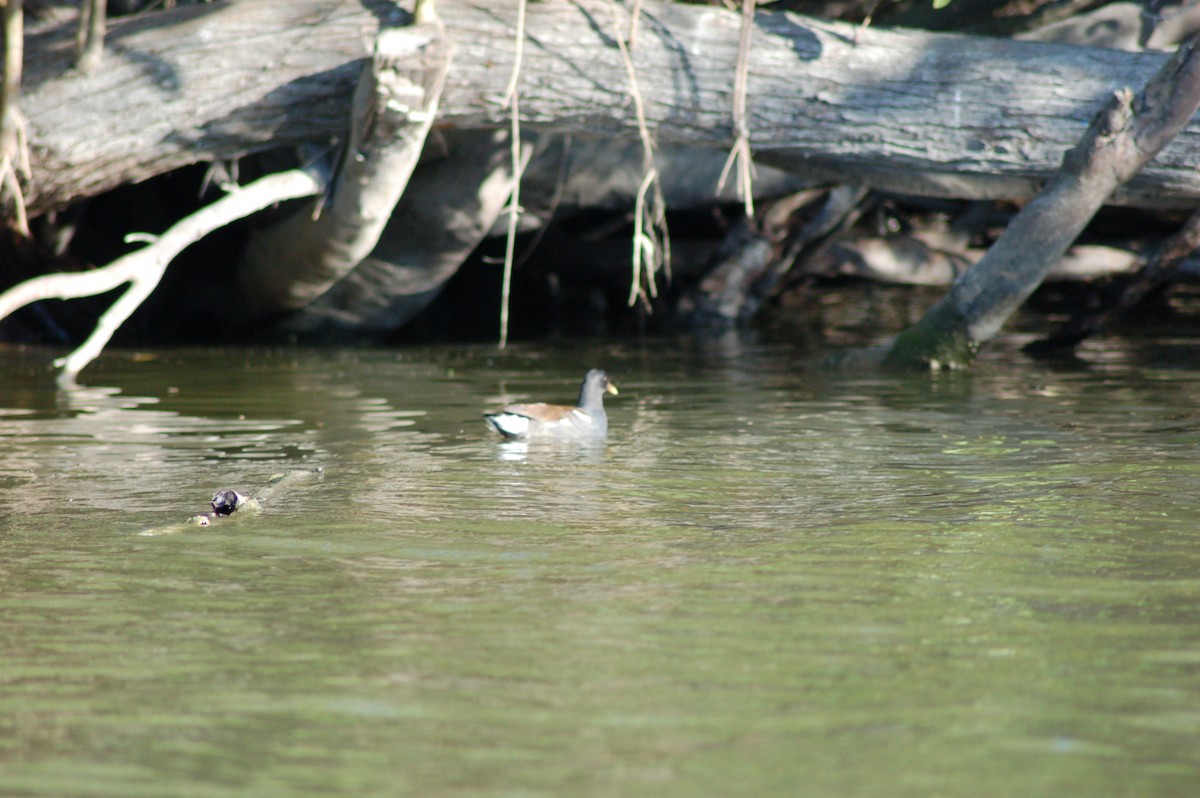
(773, 580)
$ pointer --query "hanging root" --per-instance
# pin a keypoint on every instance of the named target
(651, 241)
(512, 98)
(740, 153)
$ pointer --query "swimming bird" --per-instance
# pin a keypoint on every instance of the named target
(538, 420)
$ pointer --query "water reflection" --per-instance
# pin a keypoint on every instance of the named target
(562, 452)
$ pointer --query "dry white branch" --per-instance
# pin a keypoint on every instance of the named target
(144, 268)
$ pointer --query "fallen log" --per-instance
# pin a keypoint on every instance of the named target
(916, 112)
(193, 84)
(1124, 137)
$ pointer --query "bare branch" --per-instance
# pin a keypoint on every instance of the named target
(144, 268)
(1122, 138)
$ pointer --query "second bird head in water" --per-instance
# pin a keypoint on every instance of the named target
(538, 420)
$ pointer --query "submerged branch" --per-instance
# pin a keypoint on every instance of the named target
(1123, 137)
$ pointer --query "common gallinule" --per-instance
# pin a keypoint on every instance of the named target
(586, 421)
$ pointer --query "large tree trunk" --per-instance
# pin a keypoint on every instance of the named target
(288, 265)
(197, 83)
(917, 112)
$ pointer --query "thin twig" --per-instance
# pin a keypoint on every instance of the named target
(518, 55)
(560, 187)
(635, 94)
(514, 210)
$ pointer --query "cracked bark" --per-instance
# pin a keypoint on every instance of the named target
(916, 112)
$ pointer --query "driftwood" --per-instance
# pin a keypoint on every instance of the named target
(917, 112)
(299, 258)
(198, 83)
(924, 259)
(1124, 137)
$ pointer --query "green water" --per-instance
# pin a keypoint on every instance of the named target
(773, 580)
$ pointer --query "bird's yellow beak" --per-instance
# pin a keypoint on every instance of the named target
(612, 389)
